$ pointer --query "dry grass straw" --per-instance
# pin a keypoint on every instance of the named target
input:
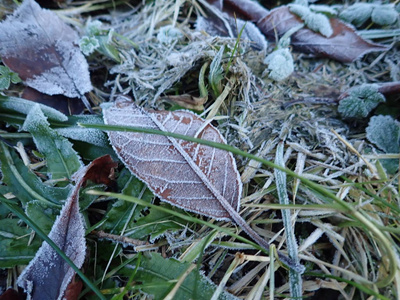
(255, 115)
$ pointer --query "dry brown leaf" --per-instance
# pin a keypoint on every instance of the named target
(192, 176)
(47, 276)
(42, 49)
(344, 44)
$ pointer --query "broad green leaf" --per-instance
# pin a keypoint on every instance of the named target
(24, 184)
(61, 159)
(158, 276)
(15, 248)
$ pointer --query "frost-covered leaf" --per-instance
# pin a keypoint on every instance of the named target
(361, 101)
(156, 276)
(357, 13)
(343, 45)
(41, 48)
(61, 159)
(48, 275)
(192, 176)
(384, 132)
(19, 105)
(24, 184)
(315, 21)
(184, 174)
(216, 72)
(380, 14)
(384, 15)
(280, 64)
(88, 45)
(15, 247)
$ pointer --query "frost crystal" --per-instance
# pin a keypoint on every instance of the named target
(359, 13)
(361, 101)
(280, 64)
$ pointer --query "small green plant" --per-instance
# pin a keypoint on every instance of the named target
(7, 77)
(216, 72)
(361, 101)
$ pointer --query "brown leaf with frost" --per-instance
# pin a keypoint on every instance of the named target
(185, 174)
(344, 44)
(42, 49)
(47, 276)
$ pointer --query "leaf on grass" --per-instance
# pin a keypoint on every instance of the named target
(41, 48)
(48, 275)
(61, 159)
(185, 174)
(344, 44)
(158, 276)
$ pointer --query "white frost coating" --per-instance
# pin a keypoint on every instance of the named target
(24, 106)
(53, 64)
(280, 64)
(88, 135)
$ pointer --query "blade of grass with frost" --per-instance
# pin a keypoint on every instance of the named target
(352, 211)
(216, 72)
(295, 280)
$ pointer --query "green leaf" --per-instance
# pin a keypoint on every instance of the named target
(315, 21)
(280, 64)
(25, 184)
(158, 276)
(15, 246)
(357, 13)
(61, 159)
(361, 101)
(43, 215)
(123, 212)
(88, 45)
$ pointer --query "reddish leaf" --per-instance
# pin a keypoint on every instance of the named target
(194, 177)
(12, 294)
(48, 275)
(344, 45)
(42, 49)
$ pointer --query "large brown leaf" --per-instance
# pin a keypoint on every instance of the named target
(344, 44)
(194, 177)
(48, 275)
(42, 49)
(185, 174)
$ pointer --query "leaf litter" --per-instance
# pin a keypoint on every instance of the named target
(257, 112)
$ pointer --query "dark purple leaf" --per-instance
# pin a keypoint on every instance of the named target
(42, 49)
(344, 44)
